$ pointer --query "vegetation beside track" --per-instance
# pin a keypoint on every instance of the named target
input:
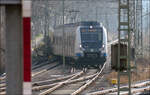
(142, 72)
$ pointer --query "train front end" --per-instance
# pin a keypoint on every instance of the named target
(91, 45)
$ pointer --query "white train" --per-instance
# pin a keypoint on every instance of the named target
(84, 43)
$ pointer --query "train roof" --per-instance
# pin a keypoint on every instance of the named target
(82, 23)
(89, 23)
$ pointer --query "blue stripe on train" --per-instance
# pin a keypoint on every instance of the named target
(78, 54)
(105, 54)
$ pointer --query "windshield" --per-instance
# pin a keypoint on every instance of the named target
(91, 37)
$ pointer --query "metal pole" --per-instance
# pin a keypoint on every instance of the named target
(118, 66)
(46, 15)
(87, 12)
(138, 26)
(141, 28)
(14, 65)
(129, 50)
(107, 23)
(124, 21)
(63, 36)
(46, 26)
(2, 38)
(149, 29)
(146, 33)
(96, 13)
(135, 33)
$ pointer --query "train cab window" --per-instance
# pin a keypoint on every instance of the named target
(91, 34)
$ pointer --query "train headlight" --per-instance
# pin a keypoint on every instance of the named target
(103, 46)
(91, 26)
(80, 46)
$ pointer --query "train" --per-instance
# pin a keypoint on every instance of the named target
(83, 43)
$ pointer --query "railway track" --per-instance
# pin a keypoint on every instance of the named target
(48, 67)
(52, 80)
(82, 79)
(138, 90)
(2, 83)
(40, 85)
(137, 87)
(61, 84)
(99, 74)
(39, 65)
(45, 70)
(48, 85)
(2, 77)
(77, 82)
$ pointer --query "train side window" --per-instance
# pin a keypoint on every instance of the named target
(54, 40)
